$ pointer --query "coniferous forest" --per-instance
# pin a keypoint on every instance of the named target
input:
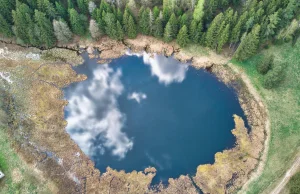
(240, 25)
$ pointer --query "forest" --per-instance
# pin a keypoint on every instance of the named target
(238, 25)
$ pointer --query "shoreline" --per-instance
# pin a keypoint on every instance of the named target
(112, 49)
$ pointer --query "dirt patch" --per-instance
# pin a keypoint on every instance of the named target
(17, 176)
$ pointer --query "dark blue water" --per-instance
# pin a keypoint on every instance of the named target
(138, 112)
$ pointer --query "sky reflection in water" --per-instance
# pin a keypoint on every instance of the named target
(142, 111)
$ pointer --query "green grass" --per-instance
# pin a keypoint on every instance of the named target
(11, 165)
(196, 50)
(294, 184)
(19, 177)
(283, 103)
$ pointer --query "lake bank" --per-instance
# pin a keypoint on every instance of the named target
(247, 104)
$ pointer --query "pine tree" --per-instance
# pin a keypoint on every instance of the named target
(5, 29)
(265, 65)
(6, 6)
(110, 27)
(211, 7)
(46, 29)
(71, 4)
(151, 22)
(78, 22)
(183, 37)
(213, 30)
(199, 12)
(47, 7)
(184, 20)
(273, 77)
(223, 38)
(83, 6)
(126, 20)
(174, 25)
(158, 28)
(290, 9)
(120, 31)
(156, 12)
(237, 30)
(249, 45)
(120, 16)
(33, 31)
(132, 31)
(60, 10)
(20, 22)
(272, 25)
(168, 37)
(144, 21)
(62, 31)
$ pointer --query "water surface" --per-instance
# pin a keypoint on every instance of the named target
(141, 111)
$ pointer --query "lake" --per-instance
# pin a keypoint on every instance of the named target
(140, 111)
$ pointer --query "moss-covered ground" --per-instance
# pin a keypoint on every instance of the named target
(283, 103)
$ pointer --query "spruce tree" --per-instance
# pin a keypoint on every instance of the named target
(71, 4)
(5, 29)
(62, 31)
(151, 22)
(168, 37)
(199, 12)
(213, 30)
(223, 38)
(156, 12)
(273, 77)
(83, 6)
(184, 20)
(183, 37)
(6, 6)
(249, 45)
(60, 10)
(237, 30)
(111, 27)
(132, 31)
(34, 32)
(272, 25)
(46, 29)
(120, 31)
(21, 22)
(78, 22)
(194, 36)
(158, 28)
(144, 21)
(265, 65)
(47, 7)
(174, 25)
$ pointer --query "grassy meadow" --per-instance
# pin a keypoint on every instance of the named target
(283, 103)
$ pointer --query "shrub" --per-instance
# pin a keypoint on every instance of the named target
(273, 77)
(294, 184)
(265, 65)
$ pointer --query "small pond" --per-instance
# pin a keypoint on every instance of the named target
(140, 111)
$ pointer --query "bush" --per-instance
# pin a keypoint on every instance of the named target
(273, 77)
(265, 65)
(294, 184)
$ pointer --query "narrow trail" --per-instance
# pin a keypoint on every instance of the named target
(263, 158)
(287, 177)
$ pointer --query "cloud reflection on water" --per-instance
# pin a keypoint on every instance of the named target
(93, 111)
(167, 70)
